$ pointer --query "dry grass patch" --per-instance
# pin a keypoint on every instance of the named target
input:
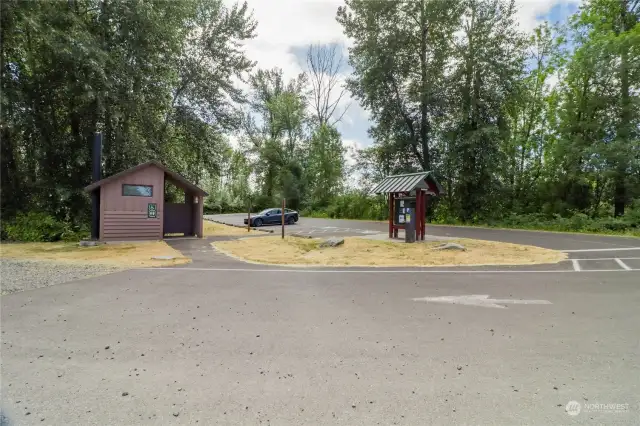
(217, 229)
(120, 254)
(364, 252)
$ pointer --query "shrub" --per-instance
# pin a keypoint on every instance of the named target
(355, 205)
(41, 227)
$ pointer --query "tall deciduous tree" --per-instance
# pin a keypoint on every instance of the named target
(598, 149)
(489, 64)
(613, 30)
(400, 56)
(325, 169)
(324, 67)
(275, 131)
(155, 77)
(530, 128)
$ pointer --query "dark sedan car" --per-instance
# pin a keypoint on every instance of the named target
(273, 217)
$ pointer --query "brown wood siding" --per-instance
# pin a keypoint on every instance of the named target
(125, 217)
(130, 225)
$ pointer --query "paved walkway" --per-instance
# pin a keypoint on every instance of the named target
(202, 253)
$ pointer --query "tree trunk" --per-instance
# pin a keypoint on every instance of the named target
(424, 119)
(620, 192)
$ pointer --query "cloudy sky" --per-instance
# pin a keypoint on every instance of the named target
(287, 27)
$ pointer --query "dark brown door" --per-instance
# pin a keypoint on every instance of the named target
(178, 218)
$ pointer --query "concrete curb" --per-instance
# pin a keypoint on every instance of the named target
(240, 226)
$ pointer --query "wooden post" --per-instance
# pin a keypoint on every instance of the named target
(423, 215)
(249, 216)
(424, 222)
(391, 215)
(283, 205)
(393, 207)
(200, 216)
(420, 213)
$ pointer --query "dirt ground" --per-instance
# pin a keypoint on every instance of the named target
(137, 254)
(364, 252)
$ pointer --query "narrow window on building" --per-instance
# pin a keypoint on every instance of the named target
(137, 190)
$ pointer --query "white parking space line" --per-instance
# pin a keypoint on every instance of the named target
(622, 264)
(602, 249)
(304, 270)
(607, 258)
(576, 265)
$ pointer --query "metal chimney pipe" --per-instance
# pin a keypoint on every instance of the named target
(96, 175)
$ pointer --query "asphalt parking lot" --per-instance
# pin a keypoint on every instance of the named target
(552, 240)
(225, 342)
(588, 252)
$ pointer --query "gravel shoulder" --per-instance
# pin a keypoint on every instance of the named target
(19, 275)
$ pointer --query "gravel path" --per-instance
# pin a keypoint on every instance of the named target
(20, 275)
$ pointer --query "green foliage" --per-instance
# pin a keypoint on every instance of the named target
(288, 153)
(356, 205)
(629, 224)
(525, 130)
(40, 227)
(325, 165)
(353, 205)
(543, 123)
(156, 78)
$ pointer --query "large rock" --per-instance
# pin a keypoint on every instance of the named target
(89, 243)
(451, 246)
(301, 236)
(332, 242)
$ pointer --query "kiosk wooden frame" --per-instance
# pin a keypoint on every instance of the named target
(412, 186)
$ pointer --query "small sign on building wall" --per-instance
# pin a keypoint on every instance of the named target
(152, 210)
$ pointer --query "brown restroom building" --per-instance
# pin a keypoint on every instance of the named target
(132, 205)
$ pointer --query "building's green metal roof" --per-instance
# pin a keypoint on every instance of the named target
(405, 183)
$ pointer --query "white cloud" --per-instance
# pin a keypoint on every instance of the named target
(298, 21)
(553, 80)
(234, 141)
(352, 146)
(283, 24)
(529, 10)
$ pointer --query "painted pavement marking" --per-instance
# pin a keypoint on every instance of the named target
(376, 271)
(480, 300)
(576, 265)
(602, 249)
(607, 258)
(622, 264)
